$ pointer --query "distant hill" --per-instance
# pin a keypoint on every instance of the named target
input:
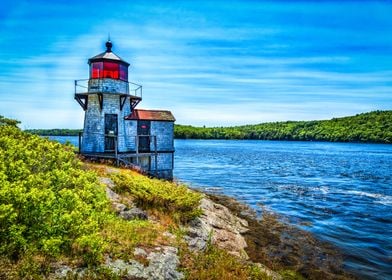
(372, 127)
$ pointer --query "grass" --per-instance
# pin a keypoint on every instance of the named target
(122, 237)
(215, 263)
(176, 200)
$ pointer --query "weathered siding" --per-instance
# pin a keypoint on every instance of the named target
(164, 165)
(93, 132)
(130, 130)
(107, 85)
(164, 131)
(165, 161)
(94, 126)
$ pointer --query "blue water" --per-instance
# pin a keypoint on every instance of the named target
(74, 140)
(341, 192)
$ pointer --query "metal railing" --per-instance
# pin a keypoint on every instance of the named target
(152, 140)
(84, 86)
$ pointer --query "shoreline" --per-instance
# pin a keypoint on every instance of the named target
(246, 139)
(280, 250)
(282, 246)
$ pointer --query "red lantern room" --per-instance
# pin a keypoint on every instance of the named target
(108, 65)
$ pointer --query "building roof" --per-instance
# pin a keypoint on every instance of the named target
(151, 115)
(107, 55)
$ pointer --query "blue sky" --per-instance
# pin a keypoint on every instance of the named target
(214, 63)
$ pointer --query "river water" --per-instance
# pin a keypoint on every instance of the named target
(341, 192)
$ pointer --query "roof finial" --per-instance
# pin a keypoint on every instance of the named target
(109, 44)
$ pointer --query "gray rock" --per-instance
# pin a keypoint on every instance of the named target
(106, 181)
(270, 273)
(62, 271)
(162, 265)
(109, 185)
(119, 207)
(219, 226)
(131, 268)
(133, 213)
(198, 234)
(140, 252)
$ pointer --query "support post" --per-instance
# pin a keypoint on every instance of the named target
(115, 150)
(156, 155)
(137, 149)
(80, 141)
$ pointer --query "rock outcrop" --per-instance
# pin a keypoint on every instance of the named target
(162, 265)
(127, 212)
(218, 226)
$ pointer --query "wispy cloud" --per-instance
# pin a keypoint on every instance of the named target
(211, 63)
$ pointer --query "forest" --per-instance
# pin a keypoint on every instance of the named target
(372, 127)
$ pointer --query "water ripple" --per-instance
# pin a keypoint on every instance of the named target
(339, 191)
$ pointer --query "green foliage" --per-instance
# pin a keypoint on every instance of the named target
(10, 122)
(123, 236)
(51, 209)
(55, 132)
(215, 263)
(373, 127)
(288, 274)
(165, 196)
(47, 202)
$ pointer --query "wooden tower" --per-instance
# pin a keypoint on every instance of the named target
(112, 126)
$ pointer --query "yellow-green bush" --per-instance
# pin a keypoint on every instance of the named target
(47, 202)
(168, 197)
(215, 263)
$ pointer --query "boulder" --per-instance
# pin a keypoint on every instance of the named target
(218, 226)
(133, 213)
(162, 265)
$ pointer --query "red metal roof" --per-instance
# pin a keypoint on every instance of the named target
(151, 115)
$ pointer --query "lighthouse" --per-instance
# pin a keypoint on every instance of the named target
(114, 128)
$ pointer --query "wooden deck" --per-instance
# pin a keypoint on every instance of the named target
(126, 159)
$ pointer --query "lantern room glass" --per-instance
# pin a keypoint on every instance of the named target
(96, 70)
(108, 69)
(123, 72)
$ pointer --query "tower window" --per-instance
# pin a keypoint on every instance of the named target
(96, 70)
(123, 72)
(110, 70)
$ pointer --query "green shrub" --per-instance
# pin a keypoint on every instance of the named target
(47, 202)
(123, 236)
(165, 196)
(215, 263)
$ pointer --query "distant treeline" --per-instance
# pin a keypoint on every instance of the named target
(55, 132)
(373, 127)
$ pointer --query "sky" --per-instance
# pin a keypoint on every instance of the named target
(213, 63)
